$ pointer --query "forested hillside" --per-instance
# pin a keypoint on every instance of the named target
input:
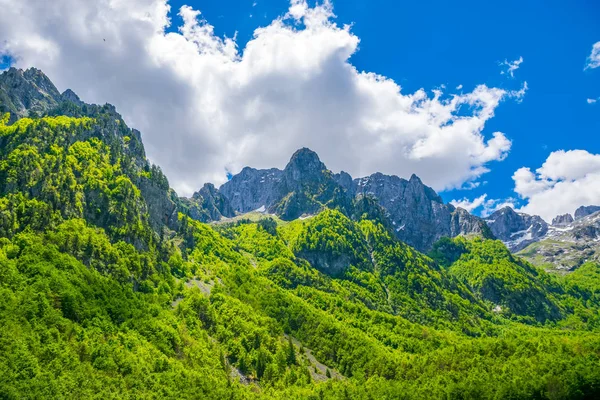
(110, 289)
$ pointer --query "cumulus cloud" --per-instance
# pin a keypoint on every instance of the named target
(205, 107)
(566, 180)
(483, 204)
(511, 67)
(492, 205)
(469, 205)
(591, 101)
(593, 61)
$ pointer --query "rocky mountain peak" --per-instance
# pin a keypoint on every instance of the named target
(69, 95)
(25, 93)
(584, 211)
(40, 80)
(305, 165)
(415, 212)
(415, 179)
(562, 220)
(516, 230)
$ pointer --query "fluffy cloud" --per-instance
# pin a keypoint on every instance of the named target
(591, 101)
(593, 61)
(470, 205)
(511, 67)
(205, 107)
(483, 204)
(566, 180)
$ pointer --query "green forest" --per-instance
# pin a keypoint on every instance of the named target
(108, 289)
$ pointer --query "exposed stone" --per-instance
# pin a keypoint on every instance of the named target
(516, 230)
(584, 211)
(562, 220)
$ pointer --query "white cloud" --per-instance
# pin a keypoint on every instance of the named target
(566, 180)
(205, 106)
(519, 94)
(511, 66)
(593, 61)
(487, 206)
(469, 205)
(591, 101)
(493, 205)
(459, 87)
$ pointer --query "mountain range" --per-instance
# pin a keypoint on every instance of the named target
(298, 283)
(414, 212)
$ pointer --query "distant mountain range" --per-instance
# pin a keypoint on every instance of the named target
(565, 244)
(415, 212)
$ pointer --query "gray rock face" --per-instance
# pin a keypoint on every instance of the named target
(584, 211)
(304, 186)
(345, 181)
(161, 204)
(208, 204)
(26, 93)
(253, 189)
(516, 230)
(562, 220)
(69, 95)
(416, 211)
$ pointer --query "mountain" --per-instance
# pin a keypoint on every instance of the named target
(95, 140)
(415, 212)
(111, 287)
(516, 230)
(564, 245)
(584, 211)
(567, 246)
(562, 220)
(30, 92)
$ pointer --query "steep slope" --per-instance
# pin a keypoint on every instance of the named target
(584, 211)
(417, 212)
(30, 93)
(509, 284)
(516, 230)
(88, 165)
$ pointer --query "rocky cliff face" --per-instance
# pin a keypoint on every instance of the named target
(30, 93)
(305, 186)
(584, 211)
(208, 204)
(414, 211)
(562, 220)
(516, 230)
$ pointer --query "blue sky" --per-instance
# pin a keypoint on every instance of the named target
(429, 43)
(205, 110)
